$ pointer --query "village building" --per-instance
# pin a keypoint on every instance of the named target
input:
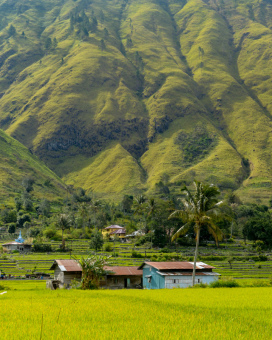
(157, 275)
(64, 272)
(19, 244)
(114, 230)
(119, 277)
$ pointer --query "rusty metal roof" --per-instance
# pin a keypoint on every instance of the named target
(126, 271)
(114, 227)
(67, 265)
(177, 265)
(118, 231)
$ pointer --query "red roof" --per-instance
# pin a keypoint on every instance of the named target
(118, 231)
(178, 265)
(114, 227)
(67, 265)
(127, 271)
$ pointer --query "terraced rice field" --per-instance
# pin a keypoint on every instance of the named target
(243, 267)
(28, 311)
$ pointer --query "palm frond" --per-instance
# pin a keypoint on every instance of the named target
(182, 231)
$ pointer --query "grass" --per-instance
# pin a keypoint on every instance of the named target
(228, 313)
(16, 163)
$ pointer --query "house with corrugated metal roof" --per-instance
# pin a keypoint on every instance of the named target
(114, 230)
(64, 272)
(157, 275)
(120, 277)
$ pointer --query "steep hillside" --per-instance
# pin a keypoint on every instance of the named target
(113, 94)
(17, 163)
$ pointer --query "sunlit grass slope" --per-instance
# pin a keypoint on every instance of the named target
(16, 163)
(230, 313)
(113, 105)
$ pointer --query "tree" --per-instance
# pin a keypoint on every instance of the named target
(127, 203)
(48, 43)
(199, 208)
(259, 228)
(44, 208)
(63, 223)
(102, 45)
(92, 271)
(11, 31)
(96, 240)
(18, 203)
(12, 228)
(27, 183)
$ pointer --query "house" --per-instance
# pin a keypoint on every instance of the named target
(134, 234)
(19, 244)
(113, 230)
(158, 275)
(64, 272)
(119, 277)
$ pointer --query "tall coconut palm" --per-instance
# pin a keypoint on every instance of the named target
(200, 208)
(63, 223)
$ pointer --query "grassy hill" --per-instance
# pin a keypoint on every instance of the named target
(113, 95)
(17, 163)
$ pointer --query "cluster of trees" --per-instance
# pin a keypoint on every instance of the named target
(82, 216)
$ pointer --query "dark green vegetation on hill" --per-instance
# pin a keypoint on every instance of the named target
(18, 164)
(113, 94)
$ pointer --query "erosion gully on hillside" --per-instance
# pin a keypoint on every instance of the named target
(101, 91)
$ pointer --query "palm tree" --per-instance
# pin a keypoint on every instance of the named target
(63, 223)
(199, 209)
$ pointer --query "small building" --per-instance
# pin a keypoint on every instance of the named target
(114, 230)
(119, 277)
(64, 272)
(18, 244)
(157, 275)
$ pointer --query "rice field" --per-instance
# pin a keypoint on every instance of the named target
(29, 311)
(243, 266)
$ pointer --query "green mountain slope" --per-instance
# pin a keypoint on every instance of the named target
(112, 95)
(17, 163)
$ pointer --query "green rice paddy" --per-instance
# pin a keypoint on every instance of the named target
(29, 311)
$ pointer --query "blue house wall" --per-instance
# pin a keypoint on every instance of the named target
(159, 281)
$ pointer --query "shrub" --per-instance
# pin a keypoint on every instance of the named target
(41, 248)
(136, 255)
(166, 250)
(200, 285)
(107, 247)
(224, 283)
(263, 258)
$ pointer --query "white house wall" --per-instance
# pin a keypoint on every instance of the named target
(176, 281)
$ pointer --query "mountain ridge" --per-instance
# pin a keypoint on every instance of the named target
(147, 82)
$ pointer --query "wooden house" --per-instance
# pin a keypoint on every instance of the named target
(117, 277)
(158, 275)
(120, 277)
(64, 272)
